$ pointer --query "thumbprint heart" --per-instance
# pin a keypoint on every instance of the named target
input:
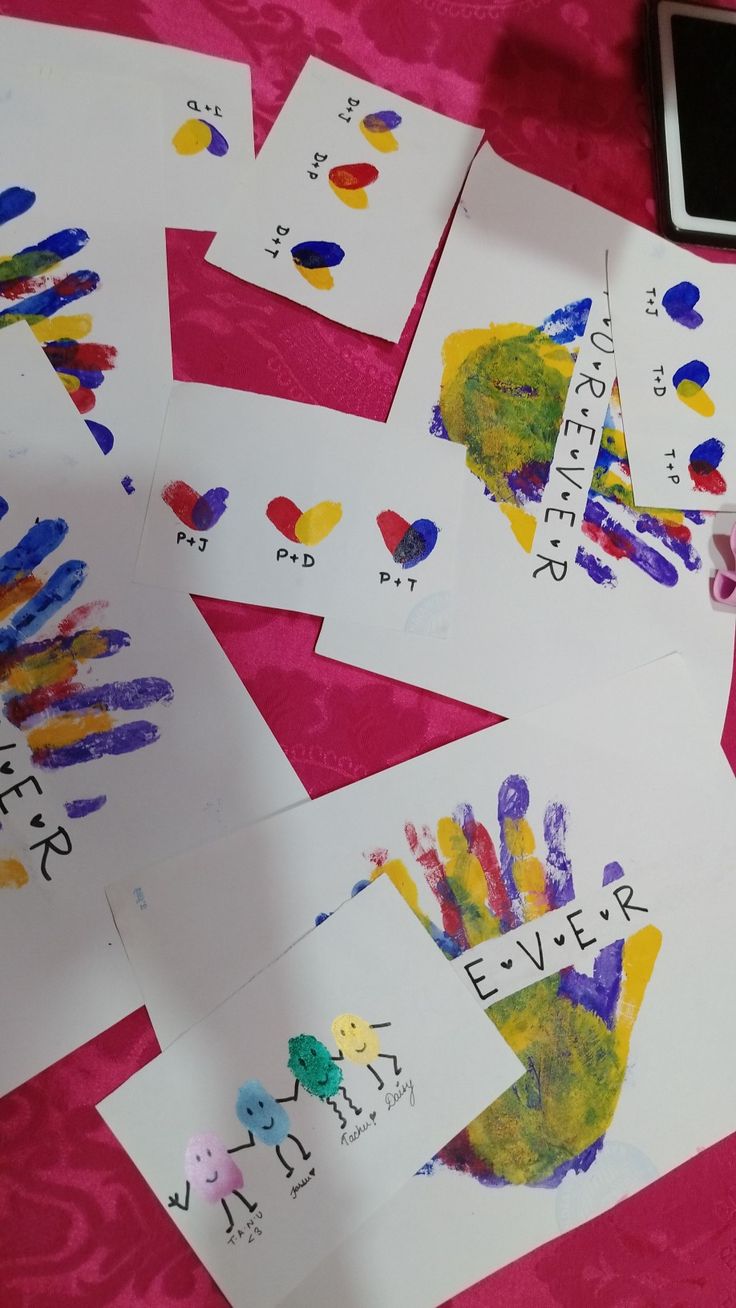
(308, 528)
(198, 512)
(314, 259)
(703, 467)
(679, 303)
(379, 128)
(348, 181)
(408, 543)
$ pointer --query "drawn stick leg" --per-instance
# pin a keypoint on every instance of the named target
(335, 1109)
(229, 1217)
(376, 1074)
(282, 1160)
(251, 1207)
(346, 1096)
(394, 1060)
(305, 1153)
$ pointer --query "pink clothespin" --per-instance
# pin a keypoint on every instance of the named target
(724, 583)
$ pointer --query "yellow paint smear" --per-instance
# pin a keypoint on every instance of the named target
(640, 955)
(12, 874)
(192, 137)
(522, 524)
(528, 872)
(57, 665)
(695, 397)
(18, 593)
(64, 326)
(384, 142)
(354, 199)
(317, 522)
(467, 880)
(67, 729)
(320, 278)
(69, 383)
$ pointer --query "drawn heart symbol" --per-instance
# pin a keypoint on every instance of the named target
(604, 914)
(597, 364)
(197, 512)
(606, 322)
(584, 412)
(559, 940)
(555, 544)
(408, 543)
(373, 1116)
(7, 767)
(574, 454)
(37, 821)
(679, 303)
(509, 963)
(565, 495)
(311, 1171)
(308, 528)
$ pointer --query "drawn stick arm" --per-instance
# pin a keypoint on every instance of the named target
(175, 1201)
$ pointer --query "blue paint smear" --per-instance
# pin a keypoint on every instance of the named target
(102, 435)
(568, 323)
(53, 595)
(710, 452)
(139, 693)
(56, 247)
(599, 993)
(648, 525)
(14, 201)
(317, 254)
(4, 506)
(49, 302)
(127, 485)
(694, 371)
(436, 424)
(41, 540)
(91, 378)
(612, 872)
(600, 573)
(650, 561)
(79, 808)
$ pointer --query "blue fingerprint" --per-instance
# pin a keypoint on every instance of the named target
(695, 371)
(14, 201)
(34, 259)
(102, 435)
(41, 540)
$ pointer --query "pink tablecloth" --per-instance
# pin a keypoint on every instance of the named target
(559, 88)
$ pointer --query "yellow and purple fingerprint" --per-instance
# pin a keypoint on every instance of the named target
(378, 128)
(689, 382)
(304, 528)
(349, 182)
(315, 259)
(196, 135)
(703, 467)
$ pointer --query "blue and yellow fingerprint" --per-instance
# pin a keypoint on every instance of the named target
(689, 382)
(314, 259)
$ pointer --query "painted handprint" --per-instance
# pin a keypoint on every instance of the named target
(502, 395)
(37, 293)
(571, 1031)
(65, 723)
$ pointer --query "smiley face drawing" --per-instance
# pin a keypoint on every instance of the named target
(357, 1041)
(266, 1120)
(313, 1066)
(211, 1172)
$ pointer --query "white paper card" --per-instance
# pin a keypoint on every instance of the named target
(204, 138)
(674, 321)
(504, 364)
(590, 795)
(126, 734)
(299, 507)
(85, 261)
(342, 1067)
(350, 194)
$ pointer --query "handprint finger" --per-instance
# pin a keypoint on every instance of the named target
(523, 873)
(466, 874)
(398, 874)
(426, 853)
(481, 846)
(639, 956)
(560, 888)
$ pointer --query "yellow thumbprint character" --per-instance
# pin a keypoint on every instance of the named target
(357, 1041)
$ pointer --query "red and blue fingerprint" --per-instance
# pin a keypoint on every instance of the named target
(703, 467)
(197, 512)
(65, 722)
(408, 543)
(38, 295)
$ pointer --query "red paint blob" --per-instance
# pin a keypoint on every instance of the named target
(284, 515)
(393, 528)
(352, 177)
(707, 479)
(181, 499)
(83, 398)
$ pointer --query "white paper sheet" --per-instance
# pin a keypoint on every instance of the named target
(674, 320)
(586, 797)
(204, 140)
(342, 1068)
(86, 225)
(299, 507)
(494, 350)
(349, 197)
(126, 734)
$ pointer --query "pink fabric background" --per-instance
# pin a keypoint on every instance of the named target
(560, 89)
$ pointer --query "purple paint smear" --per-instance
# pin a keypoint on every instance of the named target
(79, 808)
(124, 739)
